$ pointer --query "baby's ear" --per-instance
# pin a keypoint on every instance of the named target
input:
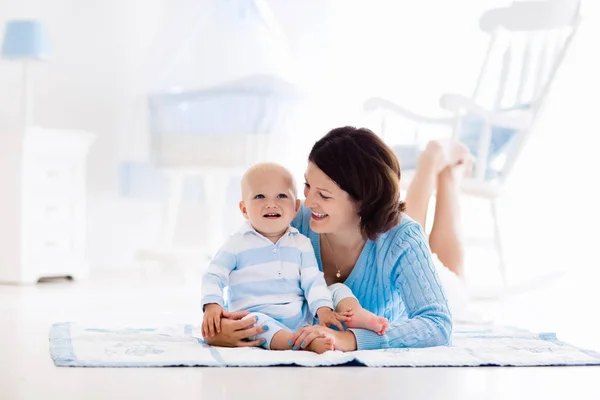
(297, 205)
(243, 209)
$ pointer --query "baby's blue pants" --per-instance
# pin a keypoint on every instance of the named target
(339, 291)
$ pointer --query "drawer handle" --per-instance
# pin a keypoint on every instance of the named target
(51, 174)
(51, 209)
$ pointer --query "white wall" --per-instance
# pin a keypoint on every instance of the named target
(97, 50)
(554, 195)
(82, 84)
(100, 46)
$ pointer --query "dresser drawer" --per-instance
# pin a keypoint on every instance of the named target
(50, 243)
(49, 210)
(48, 175)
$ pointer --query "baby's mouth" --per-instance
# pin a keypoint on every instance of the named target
(272, 215)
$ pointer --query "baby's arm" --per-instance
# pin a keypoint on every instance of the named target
(312, 280)
(316, 292)
(214, 281)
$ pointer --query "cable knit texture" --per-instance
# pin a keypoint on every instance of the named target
(395, 277)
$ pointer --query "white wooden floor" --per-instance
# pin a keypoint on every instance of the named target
(565, 305)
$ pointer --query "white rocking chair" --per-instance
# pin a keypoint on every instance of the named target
(528, 41)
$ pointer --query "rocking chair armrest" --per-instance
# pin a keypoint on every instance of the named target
(374, 103)
(506, 119)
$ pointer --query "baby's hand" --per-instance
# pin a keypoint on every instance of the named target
(212, 319)
(329, 317)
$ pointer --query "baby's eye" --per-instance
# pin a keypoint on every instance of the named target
(282, 196)
(259, 196)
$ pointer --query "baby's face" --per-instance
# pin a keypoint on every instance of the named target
(269, 202)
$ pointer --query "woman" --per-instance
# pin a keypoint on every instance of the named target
(365, 237)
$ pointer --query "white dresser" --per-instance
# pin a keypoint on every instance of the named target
(42, 204)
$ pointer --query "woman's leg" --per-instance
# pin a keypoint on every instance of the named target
(440, 167)
(446, 238)
(424, 182)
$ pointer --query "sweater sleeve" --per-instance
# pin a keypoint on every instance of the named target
(413, 275)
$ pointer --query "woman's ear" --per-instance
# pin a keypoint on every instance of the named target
(243, 209)
(358, 206)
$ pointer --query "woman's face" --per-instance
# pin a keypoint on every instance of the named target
(333, 210)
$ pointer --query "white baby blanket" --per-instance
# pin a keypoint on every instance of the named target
(80, 345)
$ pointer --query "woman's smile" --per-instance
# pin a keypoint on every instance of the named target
(318, 216)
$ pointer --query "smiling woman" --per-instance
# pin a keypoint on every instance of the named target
(363, 235)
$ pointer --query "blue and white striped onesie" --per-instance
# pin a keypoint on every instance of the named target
(280, 283)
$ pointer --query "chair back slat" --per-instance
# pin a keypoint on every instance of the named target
(525, 71)
(528, 41)
(504, 76)
(538, 103)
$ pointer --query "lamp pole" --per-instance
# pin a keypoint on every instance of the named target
(26, 98)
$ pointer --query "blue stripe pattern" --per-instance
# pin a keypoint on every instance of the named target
(281, 280)
(265, 254)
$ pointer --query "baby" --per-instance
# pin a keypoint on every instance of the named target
(271, 270)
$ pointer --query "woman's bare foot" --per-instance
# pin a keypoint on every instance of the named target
(321, 345)
(440, 154)
(364, 319)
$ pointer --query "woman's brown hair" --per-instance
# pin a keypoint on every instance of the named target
(362, 165)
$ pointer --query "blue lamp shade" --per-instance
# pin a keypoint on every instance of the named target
(24, 39)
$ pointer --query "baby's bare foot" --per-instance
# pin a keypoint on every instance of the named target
(367, 320)
(321, 345)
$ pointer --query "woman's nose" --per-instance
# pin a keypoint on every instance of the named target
(308, 198)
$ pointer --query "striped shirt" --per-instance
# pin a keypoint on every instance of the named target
(281, 280)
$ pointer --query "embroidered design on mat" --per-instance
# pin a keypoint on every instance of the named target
(133, 349)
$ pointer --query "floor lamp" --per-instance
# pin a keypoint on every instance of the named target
(25, 41)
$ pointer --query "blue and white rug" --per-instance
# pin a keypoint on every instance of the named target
(80, 345)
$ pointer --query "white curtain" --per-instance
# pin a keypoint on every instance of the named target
(205, 43)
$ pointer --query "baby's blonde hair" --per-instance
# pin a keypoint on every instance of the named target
(264, 167)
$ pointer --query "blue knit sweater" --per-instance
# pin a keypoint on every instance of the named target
(395, 277)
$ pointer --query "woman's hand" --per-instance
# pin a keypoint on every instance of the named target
(236, 332)
(344, 341)
(235, 314)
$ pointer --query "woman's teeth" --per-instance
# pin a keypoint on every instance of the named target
(319, 215)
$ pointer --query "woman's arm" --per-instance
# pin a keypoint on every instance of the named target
(413, 275)
(429, 320)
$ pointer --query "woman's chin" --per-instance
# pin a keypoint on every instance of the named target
(318, 226)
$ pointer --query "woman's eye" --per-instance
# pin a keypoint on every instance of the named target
(282, 196)
(306, 185)
(323, 196)
(259, 196)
